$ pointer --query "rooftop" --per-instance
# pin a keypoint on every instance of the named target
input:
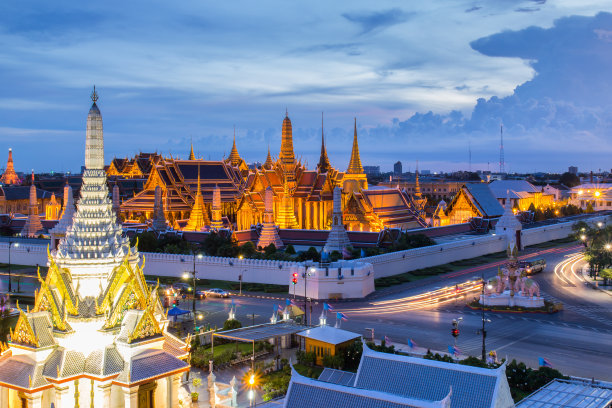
(261, 332)
(570, 394)
(329, 334)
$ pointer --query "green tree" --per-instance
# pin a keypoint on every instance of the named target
(290, 250)
(569, 179)
(247, 249)
(231, 324)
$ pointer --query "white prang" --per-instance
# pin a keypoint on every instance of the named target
(338, 238)
(93, 244)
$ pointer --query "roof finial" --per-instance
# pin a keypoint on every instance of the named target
(94, 95)
(286, 112)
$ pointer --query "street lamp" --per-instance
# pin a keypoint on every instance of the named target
(483, 331)
(193, 274)
(307, 272)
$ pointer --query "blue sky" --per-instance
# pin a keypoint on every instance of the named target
(424, 80)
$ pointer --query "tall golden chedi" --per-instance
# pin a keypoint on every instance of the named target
(198, 219)
(9, 176)
(96, 336)
(355, 178)
(286, 212)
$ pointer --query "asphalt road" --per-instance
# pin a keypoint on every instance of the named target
(577, 341)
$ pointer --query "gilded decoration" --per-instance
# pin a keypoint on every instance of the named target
(147, 326)
(23, 333)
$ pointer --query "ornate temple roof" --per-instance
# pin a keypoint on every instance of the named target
(324, 165)
(355, 166)
(287, 155)
(9, 176)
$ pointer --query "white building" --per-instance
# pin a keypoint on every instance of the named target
(599, 195)
(337, 280)
(96, 336)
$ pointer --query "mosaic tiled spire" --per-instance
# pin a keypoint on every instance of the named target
(234, 157)
(324, 164)
(159, 218)
(216, 221)
(268, 163)
(287, 156)
(198, 217)
(269, 234)
(338, 238)
(32, 225)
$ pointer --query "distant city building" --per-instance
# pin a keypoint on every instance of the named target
(424, 172)
(397, 168)
(572, 169)
(598, 195)
(438, 189)
(372, 170)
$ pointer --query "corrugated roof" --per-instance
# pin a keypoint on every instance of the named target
(500, 187)
(483, 198)
(329, 335)
(570, 394)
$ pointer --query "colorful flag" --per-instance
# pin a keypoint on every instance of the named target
(453, 351)
(544, 362)
(330, 308)
(341, 316)
(287, 302)
(346, 253)
(387, 340)
(325, 306)
(363, 254)
(275, 308)
(411, 343)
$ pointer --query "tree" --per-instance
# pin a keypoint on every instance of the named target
(231, 324)
(270, 250)
(569, 179)
(290, 250)
(248, 249)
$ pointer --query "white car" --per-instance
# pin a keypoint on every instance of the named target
(217, 292)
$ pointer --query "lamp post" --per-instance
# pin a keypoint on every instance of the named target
(307, 273)
(483, 331)
(193, 275)
(241, 276)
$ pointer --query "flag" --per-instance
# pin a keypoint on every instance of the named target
(453, 351)
(346, 253)
(287, 302)
(411, 343)
(275, 308)
(324, 257)
(544, 362)
(325, 306)
(341, 316)
(330, 308)
(387, 340)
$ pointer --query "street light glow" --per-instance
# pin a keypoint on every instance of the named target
(583, 237)
(185, 275)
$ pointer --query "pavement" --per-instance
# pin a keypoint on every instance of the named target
(593, 282)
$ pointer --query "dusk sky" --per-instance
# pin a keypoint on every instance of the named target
(424, 79)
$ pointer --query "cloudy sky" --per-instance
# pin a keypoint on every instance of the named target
(426, 80)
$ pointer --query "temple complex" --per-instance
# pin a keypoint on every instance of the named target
(9, 176)
(96, 336)
(302, 198)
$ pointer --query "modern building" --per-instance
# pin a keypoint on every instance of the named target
(598, 195)
(397, 168)
(573, 170)
(394, 381)
(96, 336)
(371, 170)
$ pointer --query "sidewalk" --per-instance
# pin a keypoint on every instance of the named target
(417, 351)
(595, 284)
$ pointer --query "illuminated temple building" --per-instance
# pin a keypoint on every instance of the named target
(9, 176)
(96, 336)
(302, 198)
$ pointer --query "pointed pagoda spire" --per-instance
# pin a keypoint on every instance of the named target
(324, 165)
(355, 163)
(32, 225)
(287, 156)
(198, 217)
(234, 157)
(191, 155)
(268, 163)
(9, 176)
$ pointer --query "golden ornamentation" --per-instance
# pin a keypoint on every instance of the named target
(23, 333)
(147, 326)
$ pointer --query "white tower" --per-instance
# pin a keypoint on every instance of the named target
(269, 234)
(337, 239)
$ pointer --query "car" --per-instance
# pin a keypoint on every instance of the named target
(200, 294)
(217, 292)
(181, 287)
(534, 266)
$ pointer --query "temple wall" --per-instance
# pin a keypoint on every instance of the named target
(30, 252)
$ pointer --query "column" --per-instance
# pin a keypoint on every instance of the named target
(321, 215)
(130, 397)
(34, 399)
(105, 394)
(4, 397)
(173, 387)
(300, 219)
(61, 397)
(315, 209)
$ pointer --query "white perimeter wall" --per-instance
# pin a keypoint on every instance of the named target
(278, 272)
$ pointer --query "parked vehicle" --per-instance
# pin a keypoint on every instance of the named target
(535, 266)
(217, 293)
(181, 287)
(200, 294)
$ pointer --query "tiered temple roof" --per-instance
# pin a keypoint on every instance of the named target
(9, 176)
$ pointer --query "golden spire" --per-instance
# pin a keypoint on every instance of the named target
(324, 164)
(268, 164)
(287, 157)
(199, 216)
(355, 163)
(234, 157)
(9, 176)
(191, 155)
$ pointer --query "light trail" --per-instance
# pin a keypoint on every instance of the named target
(561, 268)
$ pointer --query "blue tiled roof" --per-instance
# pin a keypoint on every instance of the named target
(428, 380)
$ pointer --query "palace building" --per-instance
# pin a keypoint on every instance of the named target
(96, 336)
(302, 198)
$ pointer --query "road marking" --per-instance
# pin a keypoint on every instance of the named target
(516, 341)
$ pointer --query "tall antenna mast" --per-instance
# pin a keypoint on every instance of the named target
(470, 155)
(502, 165)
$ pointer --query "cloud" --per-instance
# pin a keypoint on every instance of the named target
(376, 21)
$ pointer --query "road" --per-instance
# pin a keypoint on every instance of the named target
(577, 341)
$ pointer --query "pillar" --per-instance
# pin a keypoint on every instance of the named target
(173, 387)
(315, 210)
(105, 394)
(300, 219)
(61, 397)
(4, 397)
(34, 399)
(130, 397)
(321, 215)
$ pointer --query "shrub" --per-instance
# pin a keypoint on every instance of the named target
(231, 324)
